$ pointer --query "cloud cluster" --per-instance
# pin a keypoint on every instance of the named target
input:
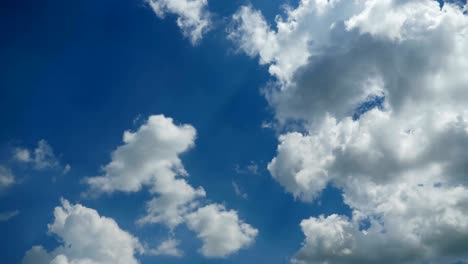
(380, 90)
(150, 158)
(87, 238)
(193, 18)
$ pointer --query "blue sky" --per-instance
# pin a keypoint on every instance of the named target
(78, 74)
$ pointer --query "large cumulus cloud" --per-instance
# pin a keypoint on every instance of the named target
(381, 92)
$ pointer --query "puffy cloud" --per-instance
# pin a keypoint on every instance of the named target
(415, 224)
(405, 176)
(6, 177)
(87, 238)
(193, 18)
(150, 157)
(220, 230)
(379, 90)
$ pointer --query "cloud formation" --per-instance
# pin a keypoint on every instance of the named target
(86, 238)
(193, 17)
(150, 158)
(380, 92)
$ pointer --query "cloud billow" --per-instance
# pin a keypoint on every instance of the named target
(401, 165)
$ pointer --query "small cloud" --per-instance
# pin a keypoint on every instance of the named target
(238, 191)
(41, 158)
(268, 125)
(168, 248)
(251, 168)
(22, 155)
(5, 216)
(6, 177)
(137, 119)
(66, 169)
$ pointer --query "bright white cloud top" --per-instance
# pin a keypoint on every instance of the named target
(150, 157)
(220, 230)
(193, 17)
(401, 165)
(87, 238)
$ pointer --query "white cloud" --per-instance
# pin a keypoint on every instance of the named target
(193, 17)
(168, 248)
(150, 158)
(6, 177)
(220, 230)
(402, 165)
(87, 238)
(5, 216)
(42, 157)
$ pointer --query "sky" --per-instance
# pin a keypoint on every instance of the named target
(203, 131)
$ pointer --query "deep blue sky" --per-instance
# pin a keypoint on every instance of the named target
(77, 73)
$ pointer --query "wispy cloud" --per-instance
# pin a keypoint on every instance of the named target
(5, 216)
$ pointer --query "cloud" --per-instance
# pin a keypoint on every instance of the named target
(6, 177)
(5, 216)
(86, 238)
(150, 158)
(379, 92)
(193, 18)
(238, 191)
(251, 168)
(42, 157)
(169, 248)
(220, 230)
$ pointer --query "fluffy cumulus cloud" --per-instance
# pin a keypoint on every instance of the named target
(150, 157)
(193, 18)
(221, 231)
(380, 92)
(87, 238)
